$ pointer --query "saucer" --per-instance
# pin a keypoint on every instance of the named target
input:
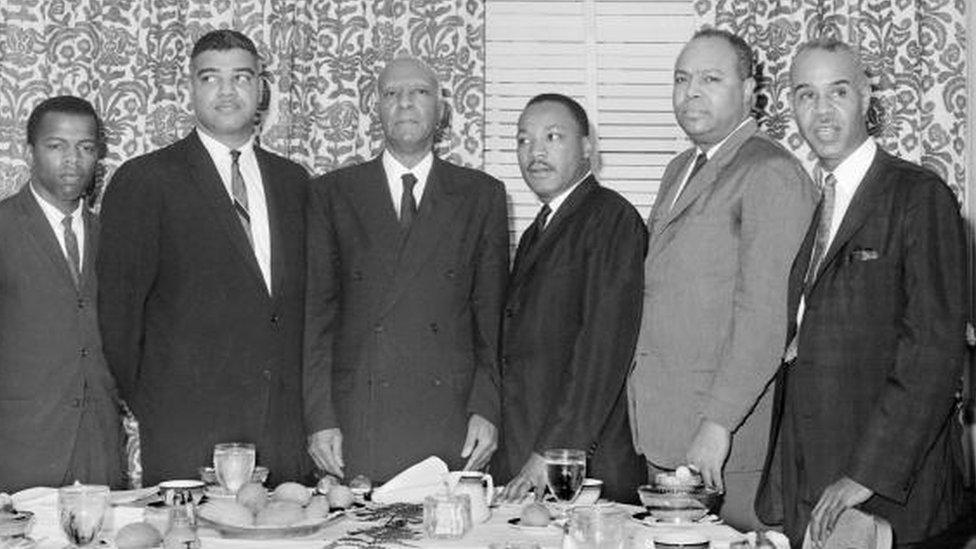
(646, 519)
(517, 524)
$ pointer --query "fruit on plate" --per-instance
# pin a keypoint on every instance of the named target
(252, 495)
(137, 535)
(318, 508)
(340, 497)
(227, 512)
(280, 513)
(535, 514)
(326, 483)
(292, 491)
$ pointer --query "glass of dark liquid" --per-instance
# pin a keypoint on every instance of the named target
(565, 471)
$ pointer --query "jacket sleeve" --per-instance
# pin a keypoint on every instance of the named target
(603, 349)
(126, 265)
(917, 399)
(487, 297)
(321, 312)
(775, 212)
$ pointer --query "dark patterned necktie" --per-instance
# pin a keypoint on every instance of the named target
(408, 205)
(822, 239)
(71, 246)
(532, 234)
(239, 190)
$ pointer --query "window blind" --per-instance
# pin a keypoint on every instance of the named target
(615, 57)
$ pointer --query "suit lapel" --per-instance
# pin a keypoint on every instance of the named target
(207, 179)
(864, 201)
(706, 177)
(274, 201)
(553, 228)
(41, 233)
(374, 208)
(437, 207)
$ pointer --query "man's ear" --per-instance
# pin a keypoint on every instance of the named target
(587, 142)
(749, 92)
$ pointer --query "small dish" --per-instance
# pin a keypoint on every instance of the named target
(681, 540)
(647, 519)
(517, 524)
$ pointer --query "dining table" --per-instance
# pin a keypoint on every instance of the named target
(374, 526)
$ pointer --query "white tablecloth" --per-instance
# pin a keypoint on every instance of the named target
(47, 532)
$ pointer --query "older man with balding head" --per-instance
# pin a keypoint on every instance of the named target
(407, 268)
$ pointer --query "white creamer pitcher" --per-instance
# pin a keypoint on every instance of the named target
(479, 487)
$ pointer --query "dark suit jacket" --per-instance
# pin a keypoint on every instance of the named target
(871, 394)
(202, 353)
(50, 351)
(569, 327)
(402, 331)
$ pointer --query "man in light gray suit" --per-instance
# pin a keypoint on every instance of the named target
(59, 419)
(728, 220)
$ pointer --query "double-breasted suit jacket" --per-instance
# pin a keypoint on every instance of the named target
(569, 327)
(52, 370)
(201, 350)
(871, 394)
(715, 294)
(403, 326)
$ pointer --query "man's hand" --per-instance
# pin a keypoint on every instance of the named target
(480, 443)
(533, 474)
(325, 447)
(836, 498)
(708, 452)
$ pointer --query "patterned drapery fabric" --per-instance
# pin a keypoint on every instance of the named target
(914, 51)
(131, 59)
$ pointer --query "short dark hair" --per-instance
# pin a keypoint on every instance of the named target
(223, 40)
(577, 110)
(745, 58)
(68, 104)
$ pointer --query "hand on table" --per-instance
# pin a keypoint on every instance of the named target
(325, 447)
(480, 443)
(532, 475)
(836, 498)
(708, 452)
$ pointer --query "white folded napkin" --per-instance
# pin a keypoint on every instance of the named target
(414, 484)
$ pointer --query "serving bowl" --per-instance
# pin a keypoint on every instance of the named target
(678, 504)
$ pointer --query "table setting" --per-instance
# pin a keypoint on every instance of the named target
(425, 506)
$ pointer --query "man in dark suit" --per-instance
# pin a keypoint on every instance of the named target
(878, 316)
(730, 214)
(59, 418)
(572, 311)
(203, 275)
(408, 256)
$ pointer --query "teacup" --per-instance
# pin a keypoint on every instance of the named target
(590, 492)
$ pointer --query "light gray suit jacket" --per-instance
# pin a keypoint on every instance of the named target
(715, 296)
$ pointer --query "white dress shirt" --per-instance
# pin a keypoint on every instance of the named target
(709, 154)
(849, 175)
(558, 200)
(395, 170)
(54, 217)
(257, 205)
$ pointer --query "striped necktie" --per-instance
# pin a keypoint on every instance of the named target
(408, 204)
(71, 247)
(239, 190)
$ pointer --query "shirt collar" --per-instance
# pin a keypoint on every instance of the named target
(218, 150)
(394, 169)
(852, 169)
(710, 153)
(51, 212)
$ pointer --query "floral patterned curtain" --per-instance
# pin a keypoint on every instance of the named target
(130, 58)
(915, 53)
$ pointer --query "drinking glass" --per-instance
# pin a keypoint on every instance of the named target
(233, 464)
(565, 470)
(81, 510)
(591, 527)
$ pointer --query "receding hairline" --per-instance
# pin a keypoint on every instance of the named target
(834, 46)
(423, 67)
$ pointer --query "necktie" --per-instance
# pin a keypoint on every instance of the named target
(532, 233)
(822, 238)
(408, 205)
(71, 246)
(695, 168)
(239, 190)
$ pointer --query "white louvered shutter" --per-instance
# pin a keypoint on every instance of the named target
(614, 56)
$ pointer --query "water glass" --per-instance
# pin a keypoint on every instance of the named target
(82, 510)
(233, 464)
(565, 471)
(592, 527)
(447, 516)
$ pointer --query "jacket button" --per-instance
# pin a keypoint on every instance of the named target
(81, 303)
(433, 327)
(274, 319)
(504, 360)
(266, 374)
(509, 312)
(76, 403)
(357, 275)
(84, 352)
(377, 328)
(438, 382)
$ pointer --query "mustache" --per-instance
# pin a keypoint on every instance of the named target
(536, 164)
